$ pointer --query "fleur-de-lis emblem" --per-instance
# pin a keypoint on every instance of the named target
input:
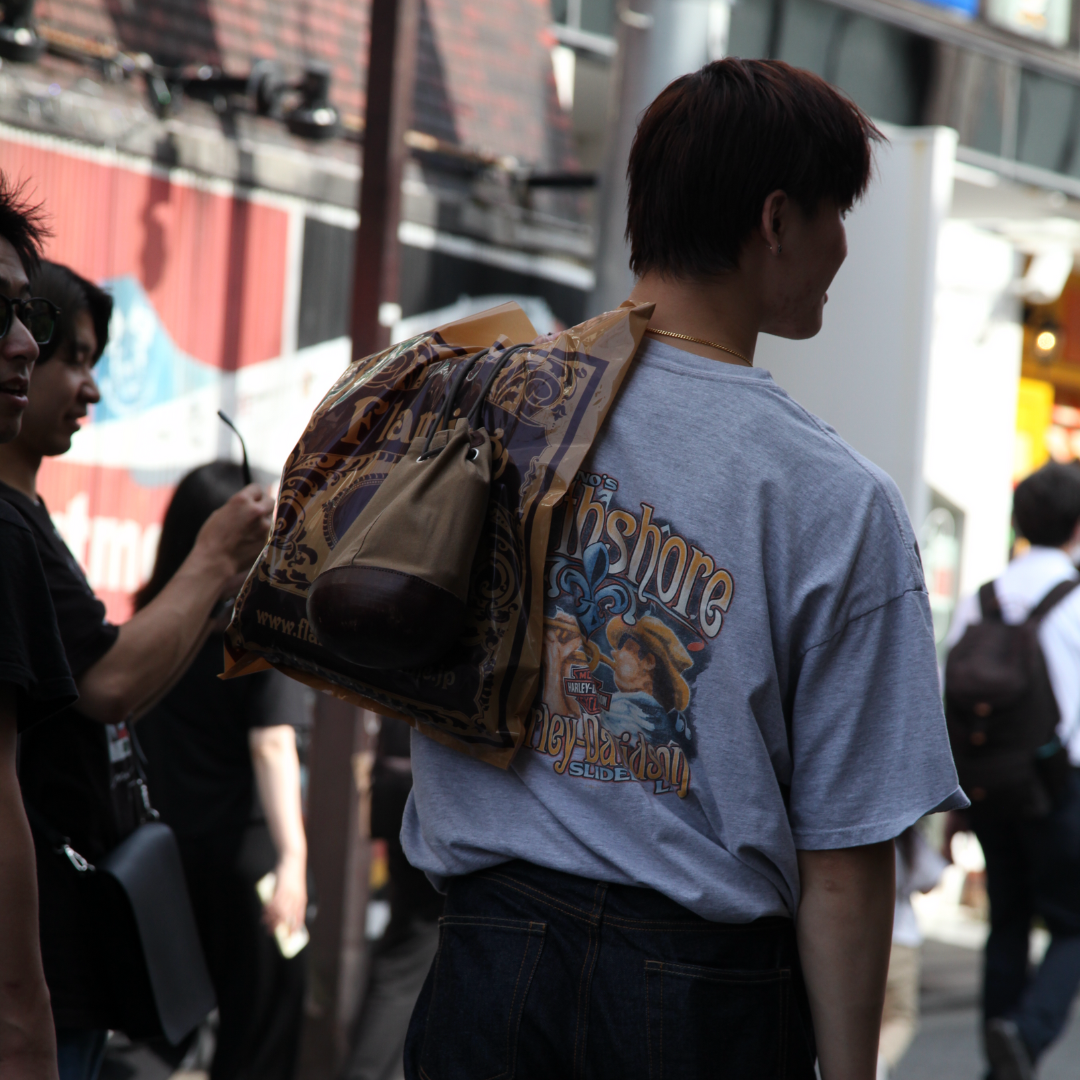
(594, 602)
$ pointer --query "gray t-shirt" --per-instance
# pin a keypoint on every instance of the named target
(738, 661)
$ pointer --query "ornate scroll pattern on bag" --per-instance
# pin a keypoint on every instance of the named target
(543, 411)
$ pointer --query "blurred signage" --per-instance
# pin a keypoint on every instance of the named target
(1063, 435)
(1034, 415)
(200, 278)
(1045, 20)
(967, 8)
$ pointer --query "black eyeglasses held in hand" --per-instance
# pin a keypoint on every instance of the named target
(38, 315)
(243, 447)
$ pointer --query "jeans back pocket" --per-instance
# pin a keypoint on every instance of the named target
(481, 978)
(711, 1022)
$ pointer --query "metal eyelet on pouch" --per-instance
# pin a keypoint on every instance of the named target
(473, 454)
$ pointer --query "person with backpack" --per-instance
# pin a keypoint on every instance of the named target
(1012, 693)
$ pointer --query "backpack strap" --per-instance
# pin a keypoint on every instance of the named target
(988, 602)
(1052, 598)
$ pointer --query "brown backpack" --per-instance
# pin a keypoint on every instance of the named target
(1002, 714)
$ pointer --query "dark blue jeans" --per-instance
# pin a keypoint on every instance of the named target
(79, 1052)
(1033, 868)
(542, 975)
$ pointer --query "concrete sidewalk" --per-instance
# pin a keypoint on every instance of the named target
(947, 1046)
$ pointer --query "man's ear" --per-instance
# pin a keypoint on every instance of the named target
(773, 212)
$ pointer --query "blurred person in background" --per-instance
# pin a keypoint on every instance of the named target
(35, 680)
(401, 956)
(1033, 862)
(223, 768)
(918, 869)
(77, 770)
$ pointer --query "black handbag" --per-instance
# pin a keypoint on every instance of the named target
(159, 982)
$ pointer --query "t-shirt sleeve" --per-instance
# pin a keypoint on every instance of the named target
(84, 629)
(31, 653)
(870, 751)
(280, 700)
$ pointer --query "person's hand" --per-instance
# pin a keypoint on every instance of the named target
(236, 532)
(288, 905)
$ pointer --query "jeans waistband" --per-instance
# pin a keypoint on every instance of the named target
(587, 898)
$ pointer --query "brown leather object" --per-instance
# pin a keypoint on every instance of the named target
(393, 593)
(384, 618)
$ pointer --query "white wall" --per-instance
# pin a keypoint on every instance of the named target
(866, 372)
(971, 407)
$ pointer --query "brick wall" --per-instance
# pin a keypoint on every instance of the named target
(484, 75)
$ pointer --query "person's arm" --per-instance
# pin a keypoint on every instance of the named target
(277, 774)
(155, 644)
(27, 1036)
(844, 928)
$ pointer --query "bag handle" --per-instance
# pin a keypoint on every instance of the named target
(460, 375)
(474, 413)
(447, 410)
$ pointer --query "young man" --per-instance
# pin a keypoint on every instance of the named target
(715, 892)
(1033, 867)
(34, 676)
(76, 771)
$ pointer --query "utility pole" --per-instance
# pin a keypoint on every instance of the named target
(338, 828)
(391, 78)
(659, 40)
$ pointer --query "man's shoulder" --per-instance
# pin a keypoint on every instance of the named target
(1067, 611)
(18, 543)
(16, 508)
(832, 485)
(10, 518)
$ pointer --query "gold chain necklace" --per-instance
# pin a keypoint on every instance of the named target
(702, 341)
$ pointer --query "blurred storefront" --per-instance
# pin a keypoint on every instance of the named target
(1048, 419)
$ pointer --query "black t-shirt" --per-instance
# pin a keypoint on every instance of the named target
(31, 651)
(197, 751)
(64, 772)
(64, 765)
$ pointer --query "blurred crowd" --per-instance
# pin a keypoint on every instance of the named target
(156, 738)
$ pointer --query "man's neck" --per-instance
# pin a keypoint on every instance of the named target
(720, 310)
(19, 468)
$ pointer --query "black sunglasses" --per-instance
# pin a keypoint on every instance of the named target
(37, 315)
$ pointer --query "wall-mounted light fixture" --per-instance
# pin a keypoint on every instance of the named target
(314, 117)
(19, 41)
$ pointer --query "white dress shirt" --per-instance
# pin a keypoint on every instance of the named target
(1024, 582)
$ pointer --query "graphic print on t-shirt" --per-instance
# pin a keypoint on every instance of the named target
(631, 611)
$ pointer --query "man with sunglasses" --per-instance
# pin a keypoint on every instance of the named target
(121, 671)
(34, 676)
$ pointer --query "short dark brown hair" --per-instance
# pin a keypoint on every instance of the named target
(712, 147)
(22, 223)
